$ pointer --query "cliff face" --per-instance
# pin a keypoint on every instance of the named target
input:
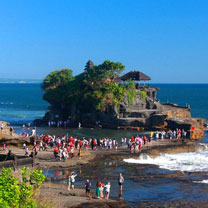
(149, 114)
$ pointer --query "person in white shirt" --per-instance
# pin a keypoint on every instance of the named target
(33, 131)
(107, 190)
(72, 180)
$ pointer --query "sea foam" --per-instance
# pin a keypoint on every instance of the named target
(188, 161)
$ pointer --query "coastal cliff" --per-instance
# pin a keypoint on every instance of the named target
(149, 114)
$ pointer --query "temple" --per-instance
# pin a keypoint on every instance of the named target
(148, 113)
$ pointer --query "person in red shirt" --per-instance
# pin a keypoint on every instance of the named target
(45, 138)
(55, 151)
(35, 149)
(80, 144)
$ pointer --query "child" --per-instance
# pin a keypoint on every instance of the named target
(107, 190)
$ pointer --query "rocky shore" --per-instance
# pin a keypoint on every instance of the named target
(10, 137)
(88, 162)
(91, 165)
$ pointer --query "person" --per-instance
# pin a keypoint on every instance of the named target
(35, 149)
(34, 131)
(23, 146)
(2, 126)
(107, 190)
(4, 147)
(72, 180)
(156, 135)
(68, 182)
(7, 148)
(98, 189)
(26, 152)
(64, 155)
(55, 151)
(11, 130)
(87, 187)
(41, 146)
(101, 189)
(120, 182)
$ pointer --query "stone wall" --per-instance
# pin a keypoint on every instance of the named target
(174, 111)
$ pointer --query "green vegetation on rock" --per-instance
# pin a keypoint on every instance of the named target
(142, 94)
(17, 193)
(95, 90)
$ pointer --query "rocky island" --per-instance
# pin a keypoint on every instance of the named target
(100, 97)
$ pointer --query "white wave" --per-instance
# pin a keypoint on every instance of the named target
(6, 103)
(203, 181)
(203, 144)
(188, 161)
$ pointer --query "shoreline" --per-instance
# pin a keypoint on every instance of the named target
(77, 198)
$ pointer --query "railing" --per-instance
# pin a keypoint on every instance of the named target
(17, 163)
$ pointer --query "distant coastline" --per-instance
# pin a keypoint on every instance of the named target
(39, 81)
(20, 81)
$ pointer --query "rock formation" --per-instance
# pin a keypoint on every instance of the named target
(148, 114)
(99, 97)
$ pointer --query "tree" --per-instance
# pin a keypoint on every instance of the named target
(57, 79)
(94, 90)
(55, 87)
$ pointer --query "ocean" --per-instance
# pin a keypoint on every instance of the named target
(22, 103)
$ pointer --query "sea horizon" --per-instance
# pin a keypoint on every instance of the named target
(22, 81)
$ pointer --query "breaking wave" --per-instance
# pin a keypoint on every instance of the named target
(188, 161)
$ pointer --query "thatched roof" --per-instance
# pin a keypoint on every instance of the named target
(135, 75)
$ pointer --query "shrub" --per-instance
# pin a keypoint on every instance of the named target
(20, 193)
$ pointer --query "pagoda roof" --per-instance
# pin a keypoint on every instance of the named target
(135, 75)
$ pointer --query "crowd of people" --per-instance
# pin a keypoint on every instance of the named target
(64, 146)
(135, 143)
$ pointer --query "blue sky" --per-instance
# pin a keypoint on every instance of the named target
(166, 39)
